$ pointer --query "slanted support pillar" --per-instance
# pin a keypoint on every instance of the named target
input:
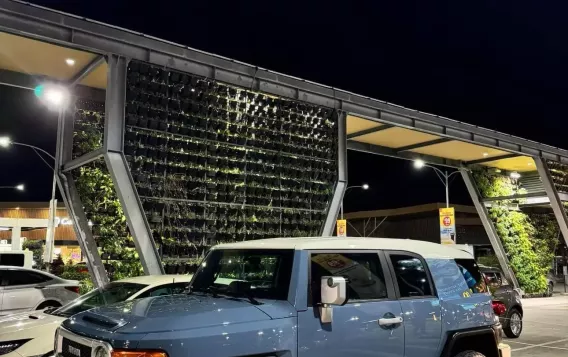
(553, 196)
(489, 227)
(73, 202)
(340, 186)
(118, 167)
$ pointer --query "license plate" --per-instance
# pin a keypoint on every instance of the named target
(73, 349)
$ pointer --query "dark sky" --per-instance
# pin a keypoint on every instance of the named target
(499, 65)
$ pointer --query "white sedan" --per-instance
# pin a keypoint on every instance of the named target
(32, 334)
(23, 289)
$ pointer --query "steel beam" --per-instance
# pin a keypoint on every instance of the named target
(26, 81)
(118, 167)
(341, 185)
(84, 72)
(384, 151)
(514, 197)
(553, 196)
(82, 229)
(72, 31)
(490, 159)
(423, 144)
(369, 131)
(83, 160)
(489, 227)
(73, 202)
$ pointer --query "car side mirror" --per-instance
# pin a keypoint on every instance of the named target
(333, 292)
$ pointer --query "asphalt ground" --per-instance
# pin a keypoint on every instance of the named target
(545, 328)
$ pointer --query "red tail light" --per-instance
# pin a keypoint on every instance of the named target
(499, 308)
(74, 289)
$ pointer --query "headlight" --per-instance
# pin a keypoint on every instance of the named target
(9, 346)
(101, 352)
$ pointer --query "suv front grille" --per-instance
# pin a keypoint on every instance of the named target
(73, 349)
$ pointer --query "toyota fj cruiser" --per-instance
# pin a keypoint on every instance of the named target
(305, 297)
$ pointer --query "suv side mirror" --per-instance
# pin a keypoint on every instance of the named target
(333, 292)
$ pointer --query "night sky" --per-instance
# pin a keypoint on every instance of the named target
(498, 65)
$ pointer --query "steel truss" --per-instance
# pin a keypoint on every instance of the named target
(118, 45)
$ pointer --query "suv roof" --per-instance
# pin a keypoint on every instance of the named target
(425, 249)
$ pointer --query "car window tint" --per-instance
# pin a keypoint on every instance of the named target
(12, 259)
(363, 271)
(21, 277)
(472, 275)
(411, 276)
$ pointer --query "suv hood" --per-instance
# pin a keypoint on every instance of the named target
(170, 313)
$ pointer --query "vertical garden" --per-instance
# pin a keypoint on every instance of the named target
(529, 239)
(211, 163)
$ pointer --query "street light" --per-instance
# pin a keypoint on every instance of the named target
(53, 96)
(19, 187)
(442, 175)
(363, 186)
(6, 142)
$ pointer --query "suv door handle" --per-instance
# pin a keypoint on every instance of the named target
(390, 321)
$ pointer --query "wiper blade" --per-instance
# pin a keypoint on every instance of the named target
(213, 291)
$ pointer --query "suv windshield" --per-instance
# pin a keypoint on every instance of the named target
(109, 294)
(267, 271)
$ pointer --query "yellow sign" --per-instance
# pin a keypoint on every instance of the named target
(342, 228)
(447, 225)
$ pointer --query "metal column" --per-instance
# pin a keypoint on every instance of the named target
(118, 167)
(341, 184)
(489, 227)
(553, 196)
(73, 203)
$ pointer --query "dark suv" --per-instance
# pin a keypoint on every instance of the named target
(504, 292)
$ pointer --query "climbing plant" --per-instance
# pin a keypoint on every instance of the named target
(516, 230)
(99, 198)
(546, 237)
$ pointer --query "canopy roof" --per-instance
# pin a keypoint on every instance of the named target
(35, 44)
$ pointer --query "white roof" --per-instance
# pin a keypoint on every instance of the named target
(425, 249)
(158, 279)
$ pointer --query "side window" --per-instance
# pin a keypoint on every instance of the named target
(363, 271)
(411, 276)
(472, 275)
(20, 277)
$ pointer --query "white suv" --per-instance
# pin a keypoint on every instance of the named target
(24, 289)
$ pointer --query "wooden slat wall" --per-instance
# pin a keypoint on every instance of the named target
(61, 233)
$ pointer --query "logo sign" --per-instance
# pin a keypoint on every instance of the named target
(65, 221)
(447, 226)
(341, 228)
(74, 351)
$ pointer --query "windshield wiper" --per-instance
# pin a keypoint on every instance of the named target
(213, 291)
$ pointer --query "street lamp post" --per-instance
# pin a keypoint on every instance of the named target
(363, 186)
(442, 175)
(50, 236)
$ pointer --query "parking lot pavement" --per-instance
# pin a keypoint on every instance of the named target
(545, 328)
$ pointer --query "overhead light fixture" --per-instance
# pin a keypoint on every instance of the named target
(52, 95)
(485, 154)
(515, 175)
(4, 229)
(20, 187)
(418, 164)
(5, 141)
(365, 186)
(70, 61)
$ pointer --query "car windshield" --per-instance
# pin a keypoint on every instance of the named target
(109, 294)
(267, 271)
